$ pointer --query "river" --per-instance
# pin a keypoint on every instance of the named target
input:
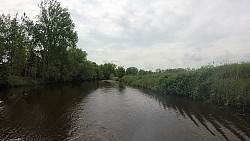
(109, 111)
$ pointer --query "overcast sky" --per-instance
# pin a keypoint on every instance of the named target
(153, 34)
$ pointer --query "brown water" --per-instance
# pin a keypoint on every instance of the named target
(101, 111)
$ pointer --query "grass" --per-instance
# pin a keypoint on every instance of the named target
(228, 85)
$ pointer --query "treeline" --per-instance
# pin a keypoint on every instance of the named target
(45, 50)
(228, 84)
(42, 51)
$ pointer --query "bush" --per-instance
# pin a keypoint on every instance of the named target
(228, 84)
(20, 81)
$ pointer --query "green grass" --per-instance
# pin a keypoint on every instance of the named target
(228, 85)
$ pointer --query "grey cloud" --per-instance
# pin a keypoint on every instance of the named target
(193, 57)
(157, 34)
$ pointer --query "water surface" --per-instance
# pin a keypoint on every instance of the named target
(104, 111)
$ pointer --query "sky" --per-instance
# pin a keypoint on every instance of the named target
(151, 34)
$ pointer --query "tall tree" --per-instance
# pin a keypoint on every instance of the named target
(4, 20)
(3, 54)
(54, 34)
(33, 57)
(13, 47)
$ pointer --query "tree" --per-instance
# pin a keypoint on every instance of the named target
(131, 71)
(13, 50)
(142, 72)
(33, 58)
(106, 70)
(71, 68)
(3, 31)
(54, 34)
(76, 55)
(159, 70)
(87, 71)
(2, 37)
(45, 49)
(12, 46)
(120, 72)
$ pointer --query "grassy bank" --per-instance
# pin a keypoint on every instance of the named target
(228, 84)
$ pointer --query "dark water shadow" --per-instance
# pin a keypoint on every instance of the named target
(50, 112)
(222, 119)
(44, 114)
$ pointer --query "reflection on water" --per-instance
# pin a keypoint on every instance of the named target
(230, 124)
(45, 114)
(101, 111)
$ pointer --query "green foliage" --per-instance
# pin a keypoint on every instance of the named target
(43, 50)
(228, 84)
(105, 70)
(77, 55)
(131, 71)
(142, 72)
(3, 75)
(113, 77)
(54, 34)
(88, 71)
(120, 72)
(20, 81)
(12, 46)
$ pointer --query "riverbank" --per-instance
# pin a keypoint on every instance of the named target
(106, 111)
(227, 85)
(109, 81)
(17, 81)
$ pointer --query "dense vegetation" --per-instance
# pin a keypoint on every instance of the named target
(45, 51)
(228, 84)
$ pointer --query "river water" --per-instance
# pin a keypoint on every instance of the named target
(109, 111)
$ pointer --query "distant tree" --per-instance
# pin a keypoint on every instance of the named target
(100, 72)
(159, 70)
(95, 71)
(72, 66)
(142, 72)
(120, 72)
(131, 71)
(87, 71)
(105, 70)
